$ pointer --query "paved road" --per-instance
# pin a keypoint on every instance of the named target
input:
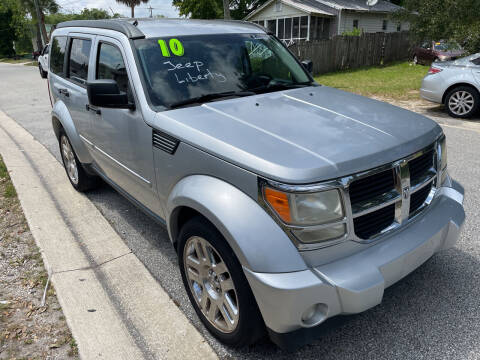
(433, 313)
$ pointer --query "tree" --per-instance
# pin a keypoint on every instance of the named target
(14, 26)
(132, 3)
(38, 17)
(452, 20)
(217, 9)
(85, 14)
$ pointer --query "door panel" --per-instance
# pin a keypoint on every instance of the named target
(122, 140)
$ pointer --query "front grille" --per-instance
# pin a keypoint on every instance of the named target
(374, 198)
(368, 188)
(373, 223)
(418, 198)
(419, 167)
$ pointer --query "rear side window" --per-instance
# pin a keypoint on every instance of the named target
(79, 56)
(110, 65)
(476, 61)
(57, 54)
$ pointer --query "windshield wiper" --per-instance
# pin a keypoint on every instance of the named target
(209, 97)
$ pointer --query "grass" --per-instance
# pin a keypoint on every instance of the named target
(3, 169)
(399, 81)
(14, 61)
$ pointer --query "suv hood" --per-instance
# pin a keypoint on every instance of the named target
(302, 135)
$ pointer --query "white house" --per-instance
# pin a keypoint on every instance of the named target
(322, 19)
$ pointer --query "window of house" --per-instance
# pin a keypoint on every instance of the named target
(288, 28)
(385, 25)
(296, 28)
(355, 24)
(281, 29)
(399, 27)
(110, 65)
(78, 62)
(278, 5)
(272, 26)
(57, 54)
(304, 27)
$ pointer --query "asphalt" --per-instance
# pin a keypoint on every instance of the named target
(432, 313)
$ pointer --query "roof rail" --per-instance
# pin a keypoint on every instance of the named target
(126, 28)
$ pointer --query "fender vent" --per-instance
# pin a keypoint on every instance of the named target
(164, 142)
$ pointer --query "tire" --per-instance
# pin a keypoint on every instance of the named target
(43, 74)
(220, 281)
(462, 102)
(76, 174)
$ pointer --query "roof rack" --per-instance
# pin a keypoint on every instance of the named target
(123, 26)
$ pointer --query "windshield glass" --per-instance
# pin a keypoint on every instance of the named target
(187, 67)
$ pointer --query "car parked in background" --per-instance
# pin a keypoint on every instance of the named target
(455, 84)
(431, 51)
(43, 61)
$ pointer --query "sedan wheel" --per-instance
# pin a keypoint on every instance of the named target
(211, 284)
(462, 102)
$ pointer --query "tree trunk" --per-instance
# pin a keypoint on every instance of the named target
(133, 11)
(226, 9)
(42, 27)
(38, 36)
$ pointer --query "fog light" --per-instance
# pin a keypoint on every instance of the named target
(314, 315)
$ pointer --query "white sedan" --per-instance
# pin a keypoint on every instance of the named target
(455, 84)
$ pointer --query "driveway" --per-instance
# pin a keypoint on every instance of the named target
(432, 313)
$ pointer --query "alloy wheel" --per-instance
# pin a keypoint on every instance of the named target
(461, 103)
(69, 160)
(211, 284)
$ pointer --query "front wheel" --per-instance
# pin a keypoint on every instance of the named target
(216, 285)
(462, 102)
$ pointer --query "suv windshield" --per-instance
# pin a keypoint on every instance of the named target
(190, 69)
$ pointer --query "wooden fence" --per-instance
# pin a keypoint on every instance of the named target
(350, 52)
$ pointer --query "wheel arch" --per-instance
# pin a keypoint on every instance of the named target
(248, 229)
(61, 120)
(453, 86)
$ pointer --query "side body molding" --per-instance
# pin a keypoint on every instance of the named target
(249, 230)
(61, 114)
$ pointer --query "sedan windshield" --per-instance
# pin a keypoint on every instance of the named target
(194, 69)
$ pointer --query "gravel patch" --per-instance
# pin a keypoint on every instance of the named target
(29, 327)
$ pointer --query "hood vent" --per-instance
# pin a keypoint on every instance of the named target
(164, 142)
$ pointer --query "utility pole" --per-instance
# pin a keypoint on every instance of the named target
(151, 10)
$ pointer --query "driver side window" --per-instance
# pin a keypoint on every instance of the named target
(263, 60)
(110, 65)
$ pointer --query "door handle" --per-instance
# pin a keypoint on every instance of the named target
(64, 92)
(89, 108)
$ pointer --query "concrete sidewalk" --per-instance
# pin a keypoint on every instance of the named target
(114, 307)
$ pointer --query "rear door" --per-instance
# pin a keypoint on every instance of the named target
(476, 70)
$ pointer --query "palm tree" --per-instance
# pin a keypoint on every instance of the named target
(132, 3)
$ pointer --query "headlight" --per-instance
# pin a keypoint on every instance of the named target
(442, 149)
(313, 217)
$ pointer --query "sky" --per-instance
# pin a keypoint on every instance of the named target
(160, 7)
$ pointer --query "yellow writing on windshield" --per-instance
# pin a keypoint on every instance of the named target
(174, 47)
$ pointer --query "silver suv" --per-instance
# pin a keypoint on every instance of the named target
(288, 202)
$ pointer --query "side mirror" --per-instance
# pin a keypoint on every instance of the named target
(105, 93)
(308, 65)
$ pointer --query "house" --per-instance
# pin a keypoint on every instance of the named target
(323, 19)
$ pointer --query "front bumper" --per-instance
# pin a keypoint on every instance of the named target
(357, 282)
